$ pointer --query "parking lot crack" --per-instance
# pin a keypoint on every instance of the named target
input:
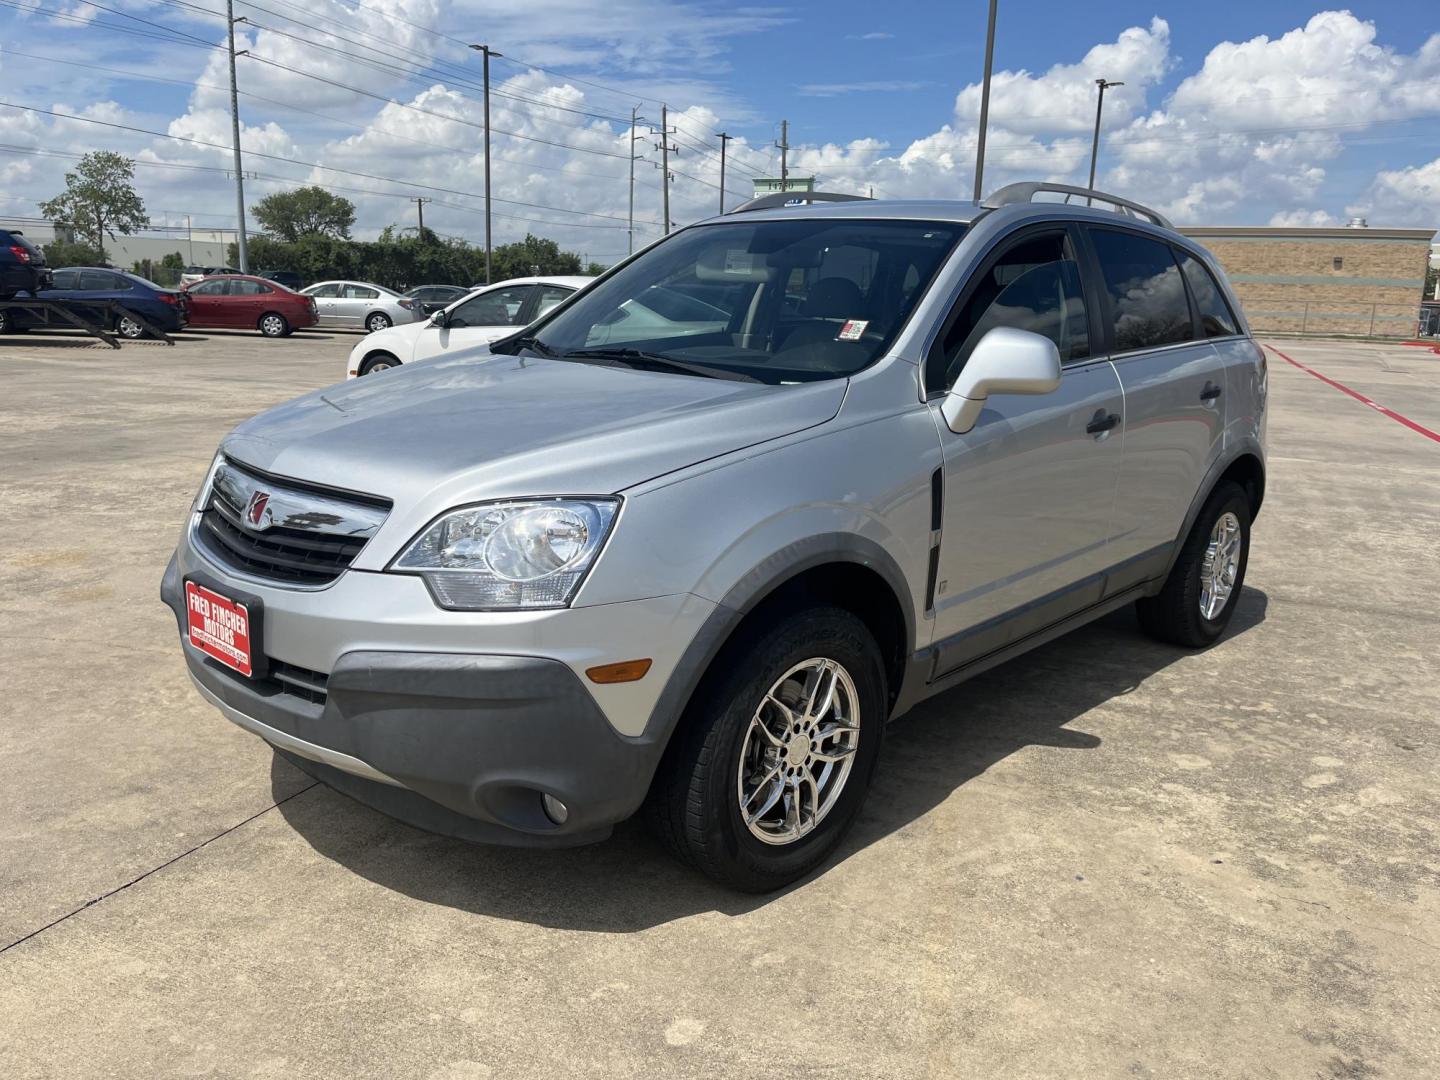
(155, 869)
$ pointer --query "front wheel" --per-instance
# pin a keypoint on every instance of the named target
(377, 322)
(273, 325)
(775, 754)
(378, 362)
(1200, 595)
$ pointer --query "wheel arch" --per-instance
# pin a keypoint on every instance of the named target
(847, 571)
(363, 367)
(1246, 467)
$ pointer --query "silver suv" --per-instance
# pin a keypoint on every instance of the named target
(689, 541)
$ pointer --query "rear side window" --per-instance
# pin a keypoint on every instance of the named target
(1148, 305)
(1035, 286)
(1216, 318)
(97, 280)
(242, 287)
(360, 292)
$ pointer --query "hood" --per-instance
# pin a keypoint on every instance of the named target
(494, 426)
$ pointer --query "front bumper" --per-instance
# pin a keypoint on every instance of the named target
(463, 743)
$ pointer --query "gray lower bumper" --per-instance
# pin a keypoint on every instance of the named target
(455, 743)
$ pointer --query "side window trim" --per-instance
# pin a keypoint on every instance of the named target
(935, 355)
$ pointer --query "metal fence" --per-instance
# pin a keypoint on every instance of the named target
(1338, 319)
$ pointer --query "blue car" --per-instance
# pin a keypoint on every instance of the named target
(165, 309)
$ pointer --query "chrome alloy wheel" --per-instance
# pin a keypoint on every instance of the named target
(129, 328)
(272, 326)
(1220, 565)
(798, 751)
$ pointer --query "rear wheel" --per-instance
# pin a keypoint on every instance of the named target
(1204, 585)
(775, 754)
(273, 324)
(126, 326)
(378, 362)
(377, 321)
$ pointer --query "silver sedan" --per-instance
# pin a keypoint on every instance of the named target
(361, 305)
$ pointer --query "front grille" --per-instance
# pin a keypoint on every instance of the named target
(304, 537)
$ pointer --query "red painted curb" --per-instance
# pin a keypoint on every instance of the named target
(1391, 413)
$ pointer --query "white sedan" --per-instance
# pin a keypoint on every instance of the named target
(485, 315)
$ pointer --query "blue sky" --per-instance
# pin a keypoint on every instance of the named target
(1232, 112)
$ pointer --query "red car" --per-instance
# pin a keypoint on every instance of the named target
(243, 302)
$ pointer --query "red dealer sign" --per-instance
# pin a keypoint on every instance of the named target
(219, 627)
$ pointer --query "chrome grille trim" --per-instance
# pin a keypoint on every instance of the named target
(303, 537)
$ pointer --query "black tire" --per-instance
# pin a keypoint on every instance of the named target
(377, 321)
(1174, 615)
(7, 324)
(379, 361)
(273, 324)
(127, 327)
(694, 805)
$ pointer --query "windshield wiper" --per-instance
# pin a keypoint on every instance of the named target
(640, 358)
(534, 344)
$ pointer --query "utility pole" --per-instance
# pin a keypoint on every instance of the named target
(487, 53)
(1095, 145)
(985, 105)
(724, 138)
(634, 118)
(784, 147)
(665, 151)
(420, 209)
(244, 255)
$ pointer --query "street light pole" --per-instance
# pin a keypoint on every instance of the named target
(242, 253)
(1095, 145)
(985, 104)
(487, 52)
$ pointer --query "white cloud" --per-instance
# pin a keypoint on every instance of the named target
(1409, 196)
(1303, 218)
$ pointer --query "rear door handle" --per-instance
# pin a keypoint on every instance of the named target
(1102, 422)
(1210, 393)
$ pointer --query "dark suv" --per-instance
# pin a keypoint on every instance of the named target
(22, 265)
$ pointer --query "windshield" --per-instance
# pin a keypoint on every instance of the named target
(780, 301)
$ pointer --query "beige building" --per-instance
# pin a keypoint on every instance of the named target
(1352, 280)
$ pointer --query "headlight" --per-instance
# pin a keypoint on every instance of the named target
(517, 554)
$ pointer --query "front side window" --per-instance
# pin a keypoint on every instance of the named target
(498, 307)
(1148, 304)
(1216, 318)
(780, 301)
(65, 279)
(1034, 285)
(324, 292)
(211, 288)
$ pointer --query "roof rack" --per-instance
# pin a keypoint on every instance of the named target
(788, 198)
(1026, 191)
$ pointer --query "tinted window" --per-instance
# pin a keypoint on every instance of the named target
(498, 307)
(1147, 294)
(1216, 318)
(65, 279)
(783, 300)
(97, 280)
(1035, 286)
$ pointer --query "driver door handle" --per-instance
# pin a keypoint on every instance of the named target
(1102, 422)
(1210, 393)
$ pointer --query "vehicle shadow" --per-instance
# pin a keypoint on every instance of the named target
(630, 883)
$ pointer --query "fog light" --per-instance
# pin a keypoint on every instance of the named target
(555, 810)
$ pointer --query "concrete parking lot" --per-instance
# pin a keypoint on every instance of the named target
(1108, 858)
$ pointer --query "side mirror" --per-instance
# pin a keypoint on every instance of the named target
(1005, 361)
(440, 318)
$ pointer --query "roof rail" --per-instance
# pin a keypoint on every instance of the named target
(1026, 191)
(786, 198)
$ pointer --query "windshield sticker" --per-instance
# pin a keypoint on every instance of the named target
(853, 330)
(743, 262)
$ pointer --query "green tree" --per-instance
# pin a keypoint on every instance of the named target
(59, 253)
(532, 255)
(306, 211)
(1432, 277)
(595, 269)
(99, 200)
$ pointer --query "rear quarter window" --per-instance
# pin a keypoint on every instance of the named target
(1216, 318)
